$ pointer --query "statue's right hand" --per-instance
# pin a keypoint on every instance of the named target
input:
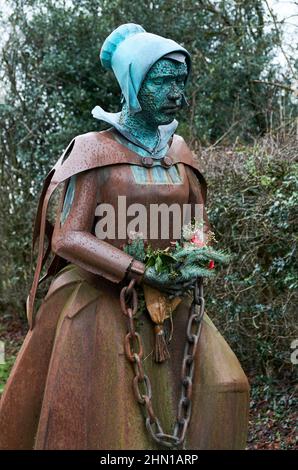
(173, 287)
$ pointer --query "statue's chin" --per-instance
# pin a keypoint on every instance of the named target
(166, 120)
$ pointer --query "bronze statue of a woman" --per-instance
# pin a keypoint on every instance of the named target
(76, 383)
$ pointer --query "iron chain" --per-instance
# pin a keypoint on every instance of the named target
(134, 352)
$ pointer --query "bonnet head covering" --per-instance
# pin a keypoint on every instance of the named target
(130, 52)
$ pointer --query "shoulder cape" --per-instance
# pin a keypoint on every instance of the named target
(86, 152)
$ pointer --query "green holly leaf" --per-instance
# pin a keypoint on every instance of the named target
(158, 264)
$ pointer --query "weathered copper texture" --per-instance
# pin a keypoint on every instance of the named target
(86, 152)
(70, 387)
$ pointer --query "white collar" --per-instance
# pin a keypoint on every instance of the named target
(165, 131)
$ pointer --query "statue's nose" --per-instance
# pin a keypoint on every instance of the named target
(174, 94)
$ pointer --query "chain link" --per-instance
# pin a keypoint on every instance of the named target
(134, 352)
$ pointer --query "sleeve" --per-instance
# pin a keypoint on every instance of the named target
(73, 239)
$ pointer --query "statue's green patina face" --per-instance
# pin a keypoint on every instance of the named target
(161, 93)
(160, 97)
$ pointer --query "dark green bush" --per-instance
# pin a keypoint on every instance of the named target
(253, 207)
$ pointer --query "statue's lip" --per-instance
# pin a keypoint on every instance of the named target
(171, 109)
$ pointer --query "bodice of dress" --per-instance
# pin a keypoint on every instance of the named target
(138, 185)
(135, 191)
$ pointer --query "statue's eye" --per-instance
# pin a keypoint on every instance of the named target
(157, 81)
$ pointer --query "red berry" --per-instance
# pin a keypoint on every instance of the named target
(211, 264)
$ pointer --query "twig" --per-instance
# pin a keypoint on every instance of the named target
(279, 85)
(224, 135)
(280, 43)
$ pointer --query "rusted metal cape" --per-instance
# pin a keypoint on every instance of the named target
(86, 152)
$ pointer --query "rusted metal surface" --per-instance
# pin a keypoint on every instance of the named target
(86, 152)
(71, 386)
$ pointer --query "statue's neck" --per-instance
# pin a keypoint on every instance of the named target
(139, 128)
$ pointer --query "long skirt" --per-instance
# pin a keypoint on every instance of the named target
(71, 385)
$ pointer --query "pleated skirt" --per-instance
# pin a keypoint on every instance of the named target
(71, 385)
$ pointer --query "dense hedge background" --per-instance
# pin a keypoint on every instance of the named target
(253, 208)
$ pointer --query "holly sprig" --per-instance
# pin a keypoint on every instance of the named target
(186, 259)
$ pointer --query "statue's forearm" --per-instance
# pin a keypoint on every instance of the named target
(96, 256)
(72, 238)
